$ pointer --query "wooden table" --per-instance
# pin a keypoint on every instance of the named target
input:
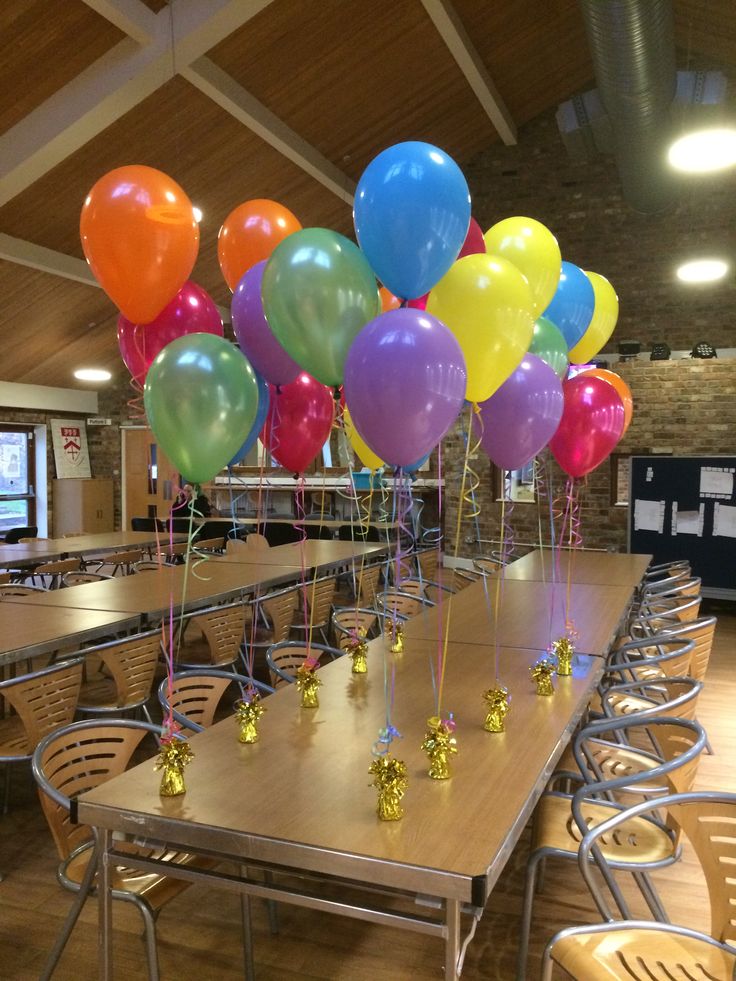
(315, 811)
(314, 553)
(601, 568)
(48, 549)
(24, 633)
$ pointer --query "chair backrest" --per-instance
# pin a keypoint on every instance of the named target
(57, 567)
(77, 758)
(76, 578)
(147, 524)
(285, 659)
(402, 605)
(194, 695)
(256, 540)
(660, 656)
(358, 533)
(319, 596)
(428, 561)
(281, 534)
(131, 663)
(676, 697)
(236, 545)
(223, 628)
(44, 700)
(351, 623)
(701, 632)
(368, 584)
(14, 535)
(152, 565)
(487, 563)
(18, 589)
(318, 531)
(280, 608)
(123, 560)
(209, 544)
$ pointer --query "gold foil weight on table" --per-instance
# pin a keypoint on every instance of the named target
(247, 715)
(498, 700)
(357, 649)
(439, 744)
(174, 755)
(541, 673)
(390, 779)
(307, 683)
(562, 651)
(396, 632)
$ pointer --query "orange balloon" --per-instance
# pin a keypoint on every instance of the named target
(140, 238)
(621, 387)
(249, 234)
(388, 300)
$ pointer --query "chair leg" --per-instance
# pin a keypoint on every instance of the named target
(6, 792)
(273, 909)
(526, 914)
(149, 923)
(72, 916)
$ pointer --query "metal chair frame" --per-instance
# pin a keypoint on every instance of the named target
(279, 675)
(201, 690)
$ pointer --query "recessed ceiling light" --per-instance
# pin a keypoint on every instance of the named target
(197, 214)
(704, 151)
(92, 375)
(702, 270)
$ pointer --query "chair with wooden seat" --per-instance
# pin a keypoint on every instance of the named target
(561, 820)
(318, 595)
(75, 759)
(428, 560)
(639, 950)
(82, 576)
(8, 589)
(366, 584)
(50, 574)
(125, 679)
(212, 545)
(213, 637)
(194, 696)
(285, 659)
(14, 535)
(39, 702)
(269, 622)
(153, 565)
(400, 605)
(116, 563)
(354, 623)
(486, 564)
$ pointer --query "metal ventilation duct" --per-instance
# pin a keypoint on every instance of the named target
(633, 48)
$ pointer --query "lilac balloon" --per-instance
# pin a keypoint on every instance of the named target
(522, 416)
(405, 383)
(253, 334)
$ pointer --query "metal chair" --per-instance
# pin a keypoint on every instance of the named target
(428, 560)
(69, 762)
(77, 578)
(285, 659)
(561, 820)
(51, 573)
(124, 684)
(318, 596)
(14, 535)
(19, 589)
(213, 637)
(351, 623)
(118, 562)
(270, 620)
(486, 564)
(640, 950)
(152, 565)
(400, 605)
(194, 696)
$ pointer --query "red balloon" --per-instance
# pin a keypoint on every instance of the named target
(474, 243)
(419, 303)
(591, 425)
(299, 421)
(192, 311)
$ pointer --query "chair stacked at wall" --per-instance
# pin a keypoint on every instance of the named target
(124, 677)
(643, 844)
(641, 950)
(285, 659)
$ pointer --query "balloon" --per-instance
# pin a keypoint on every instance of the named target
(253, 333)
(413, 467)
(411, 216)
(192, 311)
(404, 382)
(201, 399)
(419, 302)
(140, 239)
(522, 416)
(388, 300)
(474, 243)
(249, 235)
(591, 425)
(533, 249)
(261, 413)
(366, 455)
(624, 392)
(605, 315)
(549, 345)
(571, 308)
(318, 291)
(298, 423)
(487, 304)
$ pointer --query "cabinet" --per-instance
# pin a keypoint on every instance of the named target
(82, 506)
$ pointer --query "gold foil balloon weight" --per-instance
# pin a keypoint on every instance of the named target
(396, 632)
(498, 700)
(541, 673)
(307, 683)
(562, 652)
(247, 714)
(439, 744)
(358, 651)
(389, 778)
(174, 755)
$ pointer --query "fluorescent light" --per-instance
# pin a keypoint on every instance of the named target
(704, 151)
(197, 213)
(92, 375)
(702, 270)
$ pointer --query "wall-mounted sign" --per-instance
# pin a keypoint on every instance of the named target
(69, 437)
(98, 421)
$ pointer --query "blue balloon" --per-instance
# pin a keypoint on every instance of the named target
(413, 467)
(261, 413)
(411, 216)
(571, 308)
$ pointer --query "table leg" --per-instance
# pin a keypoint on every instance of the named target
(248, 964)
(452, 940)
(104, 893)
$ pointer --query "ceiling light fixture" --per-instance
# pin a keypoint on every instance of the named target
(704, 151)
(702, 270)
(92, 375)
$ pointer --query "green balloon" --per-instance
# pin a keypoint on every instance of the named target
(549, 345)
(318, 292)
(201, 398)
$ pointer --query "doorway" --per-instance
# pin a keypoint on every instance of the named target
(150, 480)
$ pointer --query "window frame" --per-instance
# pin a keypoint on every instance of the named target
(30, 495)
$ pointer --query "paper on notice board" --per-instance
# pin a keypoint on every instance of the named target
(724, 520)
(688, 522)
(716, 482)
(649, 515)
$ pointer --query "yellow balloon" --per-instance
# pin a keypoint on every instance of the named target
(533, 249)
(366, 454)
(487, 304)
(605, 315)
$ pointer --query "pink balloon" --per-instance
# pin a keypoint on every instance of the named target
(192, 311)
(591, 425)
(299, 421)
(474, 243)
(420, 303)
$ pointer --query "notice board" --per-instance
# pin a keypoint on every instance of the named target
(685, 507)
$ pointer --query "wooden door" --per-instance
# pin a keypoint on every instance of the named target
(150, 481)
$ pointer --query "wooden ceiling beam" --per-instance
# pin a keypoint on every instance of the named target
(452, 31)
(110, 87)
(223, 89)
(132, 17)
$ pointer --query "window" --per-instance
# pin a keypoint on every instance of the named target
(518, 485)
(17, 477)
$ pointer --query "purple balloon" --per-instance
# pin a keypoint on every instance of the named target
(253, 334)
(405, 383)
(522, 416)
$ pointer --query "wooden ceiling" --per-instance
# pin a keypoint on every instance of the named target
(284, 99)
